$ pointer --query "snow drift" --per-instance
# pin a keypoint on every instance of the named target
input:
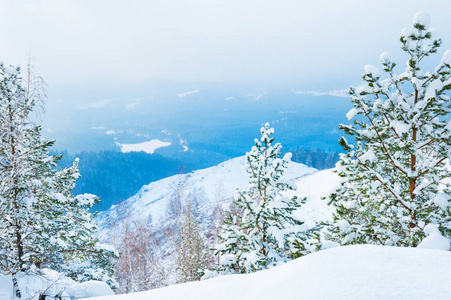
(351, 272)
(51, 283)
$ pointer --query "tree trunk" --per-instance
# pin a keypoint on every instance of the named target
(16, 290)
(413, 158)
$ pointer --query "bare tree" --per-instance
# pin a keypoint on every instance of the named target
(140, 266)
(193, 254)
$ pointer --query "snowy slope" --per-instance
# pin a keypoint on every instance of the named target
(217, 185)
(351, 272)
(316, 186)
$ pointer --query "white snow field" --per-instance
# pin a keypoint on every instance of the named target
(351, 272)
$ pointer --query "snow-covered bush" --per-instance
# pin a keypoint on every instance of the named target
(395, 178)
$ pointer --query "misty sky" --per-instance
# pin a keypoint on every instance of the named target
(308, 45)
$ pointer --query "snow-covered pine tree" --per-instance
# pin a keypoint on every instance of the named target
(261, 231)
(18, 221)
(80, 254)
(41, 222)
(395, 181)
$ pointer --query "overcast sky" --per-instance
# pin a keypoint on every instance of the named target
(321, 45)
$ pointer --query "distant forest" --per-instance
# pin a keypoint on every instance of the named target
(316, 158)
(115, 176)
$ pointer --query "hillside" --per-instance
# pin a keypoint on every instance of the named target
(352, 272)
(216, 185)
(149, 222)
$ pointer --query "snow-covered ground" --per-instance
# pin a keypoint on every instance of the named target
(351, 272)
(217, 185)
(51, 283)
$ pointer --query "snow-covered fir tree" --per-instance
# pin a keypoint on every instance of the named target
(259, 230)
(395, 179)
(42, 224)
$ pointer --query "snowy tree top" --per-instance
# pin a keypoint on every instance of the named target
(422, 18)
(266, 134)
